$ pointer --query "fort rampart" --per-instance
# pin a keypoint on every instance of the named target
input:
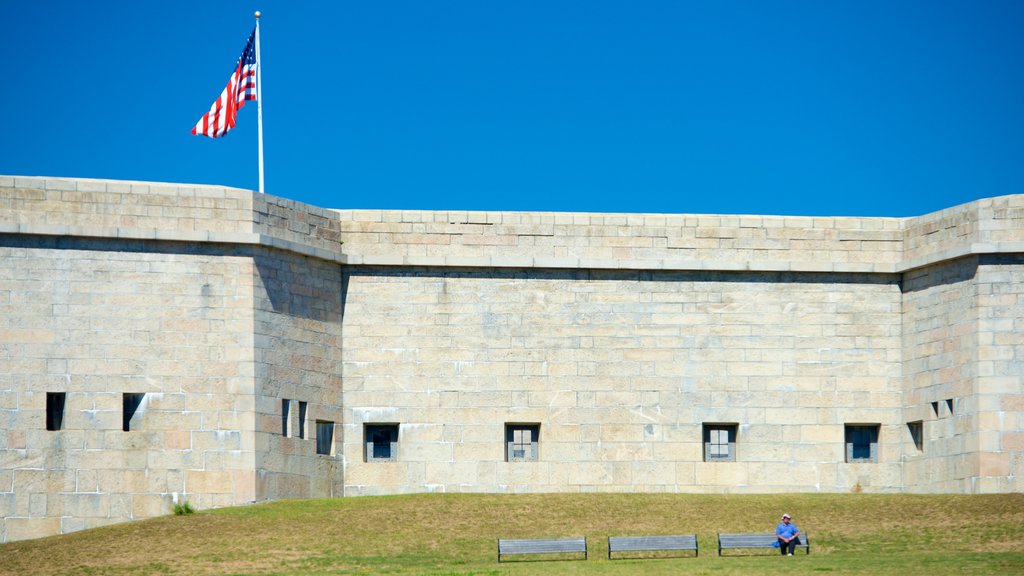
(162, 343)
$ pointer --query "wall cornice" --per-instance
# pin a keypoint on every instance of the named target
(671, 242)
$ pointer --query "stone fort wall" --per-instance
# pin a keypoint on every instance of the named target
(620, 339)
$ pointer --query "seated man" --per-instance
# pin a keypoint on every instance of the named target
(787, 534)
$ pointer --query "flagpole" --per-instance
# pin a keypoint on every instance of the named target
(259, 97)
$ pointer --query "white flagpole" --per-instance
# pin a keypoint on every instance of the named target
(259, 96)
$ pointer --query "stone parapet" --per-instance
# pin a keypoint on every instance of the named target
(986, 226)
(463, 239)
(621, 241)
(165, 212)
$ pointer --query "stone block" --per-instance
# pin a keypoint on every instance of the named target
(378, 473)
(652, 473)
(994, 464)
(426, 452)
(720, 474)
(1011, 441)
(27, 528)
(198, 481)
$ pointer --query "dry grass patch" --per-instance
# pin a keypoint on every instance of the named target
(456, 534)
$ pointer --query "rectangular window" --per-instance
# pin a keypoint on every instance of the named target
(862, 442)
(949, 406)
(324, 437)
(130, 403)
(522, 442)
(720, 442)
(55, 410)
(286, 410)
(916, 430)
(380, 442)
(302, 419)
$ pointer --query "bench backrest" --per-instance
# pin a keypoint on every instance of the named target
(746, 540)
(755, 541)
(643, 543)
(542, 546)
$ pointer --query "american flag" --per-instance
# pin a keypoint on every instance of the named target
(241, 87)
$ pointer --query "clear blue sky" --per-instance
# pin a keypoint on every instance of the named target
(815, 107)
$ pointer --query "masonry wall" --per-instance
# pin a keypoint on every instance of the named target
(620, 370)
(298, 312)
(940, 375)
(963, 354)
(999, 416)
(96, 319)
(619, 335)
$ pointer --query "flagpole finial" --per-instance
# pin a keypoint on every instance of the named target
(257, 14)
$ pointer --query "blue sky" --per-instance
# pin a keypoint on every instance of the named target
(860, 108)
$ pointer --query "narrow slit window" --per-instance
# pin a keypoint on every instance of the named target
(916, 430)
(130, 403)
(302, 419)
(324, 437)
(55, 410)
(286, 409)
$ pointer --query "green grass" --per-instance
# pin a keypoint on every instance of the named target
(183, 508)
(456, 534)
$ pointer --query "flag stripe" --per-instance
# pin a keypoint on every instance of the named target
(241, 87)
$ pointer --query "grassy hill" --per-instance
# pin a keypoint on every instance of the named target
(456, 534)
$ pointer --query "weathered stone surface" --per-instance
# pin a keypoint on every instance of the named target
(619, 337)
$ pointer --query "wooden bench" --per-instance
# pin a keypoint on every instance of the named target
(735, 541)
(542, 546)
(651, 543)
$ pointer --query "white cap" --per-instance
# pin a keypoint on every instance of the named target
(786, 516)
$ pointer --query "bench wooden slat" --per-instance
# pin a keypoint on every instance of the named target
(542, 546)
(651, 543)
(733, 541)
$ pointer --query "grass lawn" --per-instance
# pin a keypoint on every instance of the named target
(456, 534)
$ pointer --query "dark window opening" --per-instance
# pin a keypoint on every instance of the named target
(302, 419)
(862, 442)
(381, 442)
(130, 403)
(324, 437)
(917, 434)
(55, 410)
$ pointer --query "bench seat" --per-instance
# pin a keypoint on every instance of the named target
(651, 543)
(740, 541)
(542, 546)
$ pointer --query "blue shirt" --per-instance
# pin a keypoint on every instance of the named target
(786, 530)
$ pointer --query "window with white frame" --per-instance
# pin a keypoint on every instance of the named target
(720, 442)
(522, 442)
